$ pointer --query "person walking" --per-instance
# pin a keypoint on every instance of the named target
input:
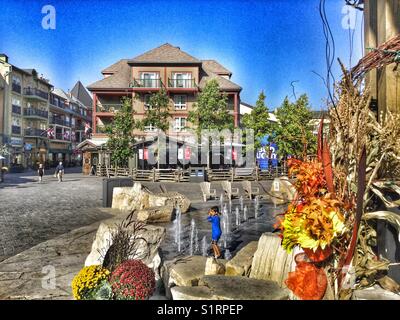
(41, 173)
(213, 217)
(59, 171)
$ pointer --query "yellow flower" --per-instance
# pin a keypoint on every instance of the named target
(87, 279)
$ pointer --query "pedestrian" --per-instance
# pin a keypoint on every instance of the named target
(40, 172)
(59, 171)
(213, 217)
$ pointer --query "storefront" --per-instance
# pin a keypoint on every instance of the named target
(59, 152)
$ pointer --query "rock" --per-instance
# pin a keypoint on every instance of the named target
(152, 234)
(288, 188)
(129, 199)
(138, 198)
(271, 261)
(219, 287)
(156, 214)
(172, 199)
(374, 293)
(191, 293)
(213, 267)
(185, 271)
(240, 264)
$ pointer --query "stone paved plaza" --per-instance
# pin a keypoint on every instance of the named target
(32, 212)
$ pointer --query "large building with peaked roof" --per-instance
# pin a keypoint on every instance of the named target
(180, 74)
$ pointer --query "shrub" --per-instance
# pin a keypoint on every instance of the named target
(91, 283)
(132, 280)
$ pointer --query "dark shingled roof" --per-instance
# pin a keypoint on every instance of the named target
(115, 67)
(120, 72)
(215, 67)
(118, 80)
(166, 53)
(224, 84)
(79, 92)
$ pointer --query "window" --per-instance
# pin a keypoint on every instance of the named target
(16, 102)
(16, 80)
(181, 80)
(180, 102)
(180, 124)
(146, 100)
(16, 121)
(150, 128)
(149, 79)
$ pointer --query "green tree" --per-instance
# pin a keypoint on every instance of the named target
(293, 132)
(258, 120)
(157, 114)
(120, 133)
(211, 109)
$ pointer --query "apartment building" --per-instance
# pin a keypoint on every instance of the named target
(30, 108)
(166, 67)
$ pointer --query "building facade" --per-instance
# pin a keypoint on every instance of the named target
(38, 124)
(382, 22)
(166, 67)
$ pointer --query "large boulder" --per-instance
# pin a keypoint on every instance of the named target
(214, 267)
(170, 199)
(138, 198)
(219, 287)
(153, 236)
(130, 198)
(155, 214)
(271, 261)
(240, 264)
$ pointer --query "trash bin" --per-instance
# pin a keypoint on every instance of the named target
(197, 174)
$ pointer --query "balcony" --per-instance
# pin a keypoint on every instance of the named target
(108, 108)
(15, 129)
(16, 87)
(60, 122)
(33, 132)
(80, 127)
(35, 93)
(16, 109)
(58, 103)
(147, 83)
(60, 136)
(182, 84)
(35, 113)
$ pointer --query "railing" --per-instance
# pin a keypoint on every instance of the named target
(58, 103)
(146, 83)
(16, 87)
(15, 129)
(32, 112)
(60, 136)
(16, 109)
(182, 83)
(60, 122)
(36, 92)
(109, 107)
(179, 175)
(33, 132)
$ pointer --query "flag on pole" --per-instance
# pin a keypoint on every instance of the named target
(88, 129)
(49, 132)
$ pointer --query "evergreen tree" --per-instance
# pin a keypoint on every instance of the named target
(258, 120)
(293, 132)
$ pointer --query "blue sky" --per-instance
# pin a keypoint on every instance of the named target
(266, 44)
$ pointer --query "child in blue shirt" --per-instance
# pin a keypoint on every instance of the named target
(213, 217)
